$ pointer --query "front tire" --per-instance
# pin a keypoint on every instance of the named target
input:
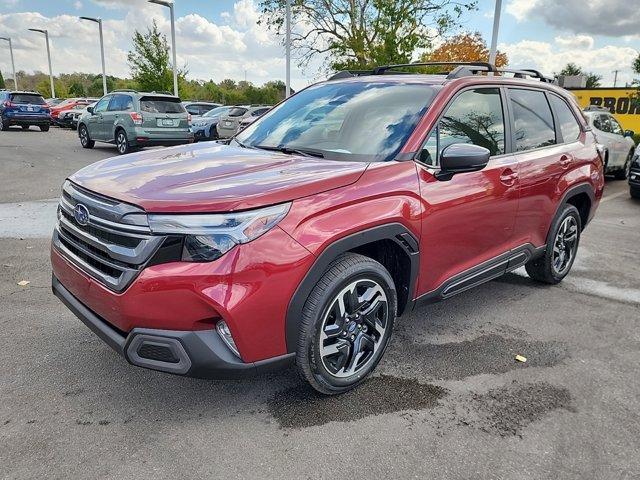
(623, 174)
(24, 127)
(44, 128)
(85, 140)
(213, 133)
(122, 142)
(634, 192)
(4, 125)
(562, 246)
(346, 324)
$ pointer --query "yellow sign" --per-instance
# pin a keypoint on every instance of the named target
(623, 103)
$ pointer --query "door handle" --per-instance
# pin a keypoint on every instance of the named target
(565, 161)
(508, 177)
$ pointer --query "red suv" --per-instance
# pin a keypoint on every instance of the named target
(303, 238)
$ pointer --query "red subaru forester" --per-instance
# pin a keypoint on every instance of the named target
(303, 238)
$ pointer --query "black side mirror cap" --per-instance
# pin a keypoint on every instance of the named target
(462, 158)
(629, 133)
(90, 109)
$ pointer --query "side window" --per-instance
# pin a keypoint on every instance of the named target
(102, 104)
(193, 109)
(605, 124)
(615, 126)
(475, 116)
(533, 122)
(596, 122)
(569, 126)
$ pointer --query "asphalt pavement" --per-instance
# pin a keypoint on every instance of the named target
(448, 400)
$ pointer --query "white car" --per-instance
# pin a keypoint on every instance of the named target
(618, 143)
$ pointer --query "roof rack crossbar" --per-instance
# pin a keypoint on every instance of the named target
(482, 66)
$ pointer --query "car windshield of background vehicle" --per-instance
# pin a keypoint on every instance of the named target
(214, 112)
(161, 105)
(26, 98)
(357, 121)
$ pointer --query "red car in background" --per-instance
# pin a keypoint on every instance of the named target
(68, 104)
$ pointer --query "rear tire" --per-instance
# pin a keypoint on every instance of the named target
(623, 174)
(122, 142)
(85, 140)
(213, 133)
(634, 192)
(562, 246)
(44, 128)
(24, 127)
(4, 125)
(347, 322)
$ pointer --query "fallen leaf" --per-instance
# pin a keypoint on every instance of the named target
(24, 283)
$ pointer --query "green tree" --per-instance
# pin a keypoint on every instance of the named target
(2, 85)
(76, 89)
(358, 34)
(571, 69)
(149, 61)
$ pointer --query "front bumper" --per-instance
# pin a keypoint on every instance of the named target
(634, 177)
(200, 353)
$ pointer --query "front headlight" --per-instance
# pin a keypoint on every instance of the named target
(209, 236)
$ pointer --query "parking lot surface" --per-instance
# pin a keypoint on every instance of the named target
(447, 401)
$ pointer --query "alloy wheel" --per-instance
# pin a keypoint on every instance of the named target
(565, 245)
(84, 137)
(353, 328)
(122, 142)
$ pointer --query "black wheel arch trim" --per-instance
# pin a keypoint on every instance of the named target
(572, 192)
(396, 232)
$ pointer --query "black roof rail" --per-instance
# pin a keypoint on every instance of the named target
(349, 73)
(480, 66)
(526, 72)
(131, 90)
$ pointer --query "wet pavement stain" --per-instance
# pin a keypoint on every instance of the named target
(487, 354)
(506, 411)
(301, 407)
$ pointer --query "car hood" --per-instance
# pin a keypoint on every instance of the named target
(212, 177)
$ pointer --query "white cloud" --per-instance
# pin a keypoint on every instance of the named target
(77, 5)
(211, 50)
(520, 8)
(552, 57)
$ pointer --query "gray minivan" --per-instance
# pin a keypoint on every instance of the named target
(132, 119)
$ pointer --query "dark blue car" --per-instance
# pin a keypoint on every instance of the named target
(24, 109)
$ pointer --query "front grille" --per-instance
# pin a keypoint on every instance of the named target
(113, 246)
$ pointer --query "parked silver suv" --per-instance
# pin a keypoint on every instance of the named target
(230, 121)
(132, 119)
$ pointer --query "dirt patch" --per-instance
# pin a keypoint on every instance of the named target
(301, 407)
(487, 354)
(507, 410)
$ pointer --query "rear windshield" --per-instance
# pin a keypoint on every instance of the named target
(260, 111)
(27, 98)
(161, 105)
(237, 112)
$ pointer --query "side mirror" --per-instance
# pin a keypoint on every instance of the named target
(461, 158)
(90, 110)
(629, 133)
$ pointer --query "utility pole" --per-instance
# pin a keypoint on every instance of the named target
(493, 52)
(288, 51)
(169, 5)
(46, 36)
(104, 75)
(615, 78)
(13, 65)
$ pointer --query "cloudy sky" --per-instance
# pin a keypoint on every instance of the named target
(221, 39)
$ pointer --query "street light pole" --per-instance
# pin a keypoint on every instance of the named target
(46, 36)
(493, 52)
(104, 75)
(13, 65)
(288, 51)
(173, 41)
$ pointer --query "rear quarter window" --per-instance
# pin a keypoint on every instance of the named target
(569, 127)
(237, 112)
(161, 105)
(26, 98)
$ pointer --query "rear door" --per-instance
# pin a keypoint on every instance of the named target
(543, 155)
(163, 117)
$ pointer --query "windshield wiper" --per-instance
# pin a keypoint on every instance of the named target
(306, 152)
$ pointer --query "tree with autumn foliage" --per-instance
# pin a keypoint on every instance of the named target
(465, 47)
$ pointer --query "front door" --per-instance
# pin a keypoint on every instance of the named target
(469, 219)
(95, 121)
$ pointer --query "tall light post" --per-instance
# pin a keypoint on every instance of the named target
(288, 51)
(13, 65)
(169, 5)
(104, 75)
(493, 52)
(46, 36)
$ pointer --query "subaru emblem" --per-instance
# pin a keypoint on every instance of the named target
(81, 214)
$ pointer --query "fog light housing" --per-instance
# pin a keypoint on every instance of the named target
(223, 330)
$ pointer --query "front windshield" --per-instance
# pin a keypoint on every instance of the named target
(214, 112)
(362, 121)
